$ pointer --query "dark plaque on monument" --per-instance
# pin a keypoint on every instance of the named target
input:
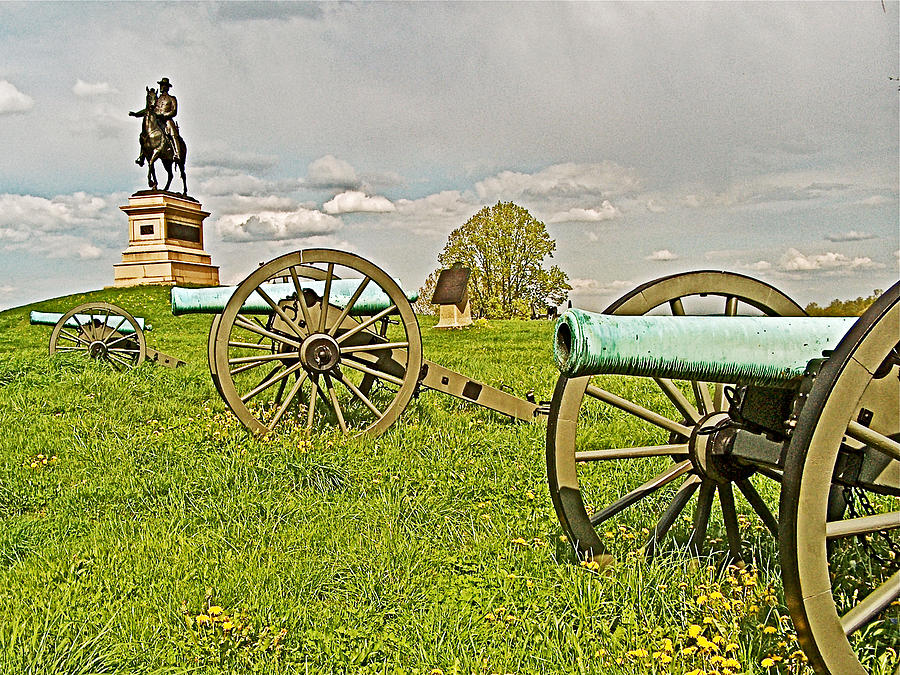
(451, 286)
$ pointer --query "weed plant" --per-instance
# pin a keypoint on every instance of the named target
(143, 530)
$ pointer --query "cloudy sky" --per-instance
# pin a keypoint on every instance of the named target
(650, 138)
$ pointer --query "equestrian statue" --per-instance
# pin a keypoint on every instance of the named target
(160, 138)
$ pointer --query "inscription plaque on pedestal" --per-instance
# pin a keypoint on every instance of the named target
(165, 242)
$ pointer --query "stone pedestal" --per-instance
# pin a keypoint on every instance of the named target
(455, 316)
(165, 242)
(451, 293)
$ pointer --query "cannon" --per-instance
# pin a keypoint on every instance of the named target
(102, 331)
(721, 386)
(324, 339)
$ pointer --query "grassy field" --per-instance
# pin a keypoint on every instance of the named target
(143, 530)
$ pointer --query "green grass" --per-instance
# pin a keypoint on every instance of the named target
(433, 547)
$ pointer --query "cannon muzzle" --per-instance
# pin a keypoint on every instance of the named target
(761, 350)
(213, 300)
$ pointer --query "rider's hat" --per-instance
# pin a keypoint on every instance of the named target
(165, 82)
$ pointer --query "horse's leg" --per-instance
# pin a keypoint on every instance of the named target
(168, 165)
(151, 174)
(183, 177)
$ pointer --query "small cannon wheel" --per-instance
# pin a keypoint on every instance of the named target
(103, 331)
(842, 576)
(584, 415)
(314, 359)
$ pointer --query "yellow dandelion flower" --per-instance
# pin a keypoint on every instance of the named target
(696, 672)
(694, 630)
(529, 495)
(767, 662)
(640, 653)
(667, 645)
(215, 610)
(715, 660)
(715, 595)
(520, 541)
(732, 647)
(768, 630)
(202, 619)
(687, 651)
(227, 626)
(701, 599)
(436, 671)
(489, 617)
(719, 640)
(734, 664)
(664, 658)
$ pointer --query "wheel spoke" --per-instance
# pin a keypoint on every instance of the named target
(758, 504)
(365, 324)
(288, 400)
(873, 439)
(280, 312)
(872, 605)
(73, 338)
(668, 518)
(114, 358)
(121, 338)
(242, 322)
(356, 365)
(631, 453)
(349, 306)
(323, 315)
(701, 514)
(638, 411)
(263, 358)
(313, 396)
(271, 379)
(701, 395)
(864, 525)
(356, 392)
(250, 345)
(332, 395)
(301, 299)
(672, 473)
(729, 515)
(679, 400)
(375, 347)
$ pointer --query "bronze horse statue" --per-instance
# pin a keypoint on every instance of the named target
(156, 144)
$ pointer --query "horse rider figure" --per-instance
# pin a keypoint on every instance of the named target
(166, 109)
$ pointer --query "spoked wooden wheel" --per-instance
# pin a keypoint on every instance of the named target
(320, 339)
(842, 577)
(609, 451)
(102, 331)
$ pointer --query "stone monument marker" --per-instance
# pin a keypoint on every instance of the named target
(451, 293)
(165, 229)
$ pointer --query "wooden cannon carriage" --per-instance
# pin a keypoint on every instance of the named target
(324, 339)
(102, 331)
(802, 412)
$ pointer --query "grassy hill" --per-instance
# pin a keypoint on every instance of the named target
(142, 530)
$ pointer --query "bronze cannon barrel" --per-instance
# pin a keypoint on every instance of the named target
(114, 321)
(763, 350)
(213, 300)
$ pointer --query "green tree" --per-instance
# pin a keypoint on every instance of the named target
(505, 247)
(844, 307)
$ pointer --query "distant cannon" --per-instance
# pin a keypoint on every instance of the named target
(324, 339)
(102, 331)
(805, 406)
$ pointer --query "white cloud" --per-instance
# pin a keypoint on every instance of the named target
(605, 211)
(560, 180)
(438, 213)
(354, 201)
(662, 255)
(84, 89)
(331, 172)
(277, 225)
(875, 200)
(593, 287)
(241, 184)
(12, 100)
(238, 203)
(759, 266)
(852, 235)
(795, 261)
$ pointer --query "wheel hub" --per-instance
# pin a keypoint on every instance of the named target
(320, 353)
(97, 349)
(708, 449)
